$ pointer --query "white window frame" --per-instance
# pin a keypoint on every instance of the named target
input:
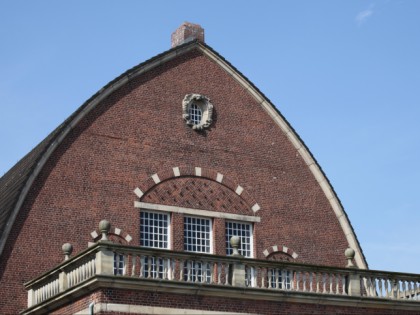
(169, 240)
(251, 239)
(210, 234)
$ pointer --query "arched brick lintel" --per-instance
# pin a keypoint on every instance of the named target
(115, 231)
(207, 173)
(280, 249)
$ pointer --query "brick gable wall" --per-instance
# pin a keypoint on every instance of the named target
(138, 131)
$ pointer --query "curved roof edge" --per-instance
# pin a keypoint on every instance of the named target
(58, 135)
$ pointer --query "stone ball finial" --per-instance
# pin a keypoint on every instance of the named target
(67, 249)
(104, 228)
(350, 253)
(235, 242)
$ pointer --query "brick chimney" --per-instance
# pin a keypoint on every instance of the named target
(187, 32)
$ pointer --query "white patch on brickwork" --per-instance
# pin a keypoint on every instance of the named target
(275, 248)
(156, 178)
(94, 234)
(117, 231)
(219, 178)
(255, 207)
(294, 255)
(239, 190)
(198, 171)
(90, 244)
(128, 238)
(176, 171)
(285, 249)
(138, 192)
(265, 253)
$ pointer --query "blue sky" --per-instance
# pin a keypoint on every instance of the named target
(345, 74)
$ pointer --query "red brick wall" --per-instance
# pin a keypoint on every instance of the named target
(138, 131)
(221, 304)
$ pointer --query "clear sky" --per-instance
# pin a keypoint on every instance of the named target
(345, 74)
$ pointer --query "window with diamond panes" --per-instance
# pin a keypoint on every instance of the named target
(197, 235)
(244, 231)
(195, 113)
(154, 229)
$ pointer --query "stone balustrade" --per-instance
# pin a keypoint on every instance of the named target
(114, 261)
(154, 264)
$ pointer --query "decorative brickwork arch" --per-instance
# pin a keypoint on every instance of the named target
(184, 171)
(277, 252)
(116, 235)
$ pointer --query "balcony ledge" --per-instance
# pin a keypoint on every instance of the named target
(202, 289)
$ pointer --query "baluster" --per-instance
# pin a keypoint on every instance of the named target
(317, 280)
(254, 279)
(212, 267)
(133, 264)
(380, 293)
(343, 284)
(367, 282)
(298, 276)
(202, 271)
(276, 280)
(410, 295)
(188, 270)
(172, 269)
(337, 284)
(149, 266)
(311, 282)
(283, 279)
(87, 269)
(219, 273)
(400, 289)
(386, 288)
(164, 268)
(270, 280)
(372, 286)
(324, 283)
(182, 264)
(263, 276)
(196, 270)
(304, 281)
(330, 279)
(226, 265)
(141, 272)
(125, 261)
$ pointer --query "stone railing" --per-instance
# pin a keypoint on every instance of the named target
(123, 262)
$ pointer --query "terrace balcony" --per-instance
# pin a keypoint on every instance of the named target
(110, 265)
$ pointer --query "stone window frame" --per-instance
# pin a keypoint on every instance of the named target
(206, 107)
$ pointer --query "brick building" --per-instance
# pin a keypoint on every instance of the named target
(213, 204)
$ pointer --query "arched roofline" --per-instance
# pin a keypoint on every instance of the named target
(154, 62)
